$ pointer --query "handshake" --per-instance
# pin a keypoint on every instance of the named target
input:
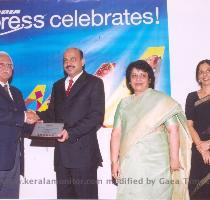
(31, 117)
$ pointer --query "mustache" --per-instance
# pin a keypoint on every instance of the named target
(69, 66)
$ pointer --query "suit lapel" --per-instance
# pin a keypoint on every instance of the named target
(5, 94)
(62, 91)
(81, 81)
(14, 94)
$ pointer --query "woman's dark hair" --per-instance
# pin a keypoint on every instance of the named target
(140, 65)
(206, 61)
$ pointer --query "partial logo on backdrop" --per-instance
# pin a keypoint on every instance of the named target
(111, 35)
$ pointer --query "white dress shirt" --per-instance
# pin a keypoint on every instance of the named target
(74, 79)
(3, 84)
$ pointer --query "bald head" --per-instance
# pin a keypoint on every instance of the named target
(73, 61)
(75, 49)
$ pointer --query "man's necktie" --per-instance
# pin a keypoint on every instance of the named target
(69, 87)
(6, 88)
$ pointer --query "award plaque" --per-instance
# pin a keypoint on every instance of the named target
(47, 130)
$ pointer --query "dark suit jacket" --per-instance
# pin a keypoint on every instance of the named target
(82, 113)
(11, 124)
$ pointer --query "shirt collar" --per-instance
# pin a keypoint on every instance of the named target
(75, 78)
(3, 84)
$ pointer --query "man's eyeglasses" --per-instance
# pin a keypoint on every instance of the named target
(6, 65)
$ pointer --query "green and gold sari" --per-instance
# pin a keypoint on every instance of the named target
(144, 148)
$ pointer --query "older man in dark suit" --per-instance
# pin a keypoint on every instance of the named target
(12, 118)
(77, 101)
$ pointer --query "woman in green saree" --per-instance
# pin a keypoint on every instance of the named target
(150, 143)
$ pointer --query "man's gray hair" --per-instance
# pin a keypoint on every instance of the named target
(5, 53)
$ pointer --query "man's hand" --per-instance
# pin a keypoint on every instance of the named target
(63, 136)
(31, 117)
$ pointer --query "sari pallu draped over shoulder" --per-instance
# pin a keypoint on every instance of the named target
(154, 109)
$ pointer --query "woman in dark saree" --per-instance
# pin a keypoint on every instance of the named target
(198, 115)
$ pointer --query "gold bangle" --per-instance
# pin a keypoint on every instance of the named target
(114, 162)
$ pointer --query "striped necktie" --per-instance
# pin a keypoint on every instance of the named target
(69, 87)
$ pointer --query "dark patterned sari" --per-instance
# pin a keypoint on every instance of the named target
(198, 110)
